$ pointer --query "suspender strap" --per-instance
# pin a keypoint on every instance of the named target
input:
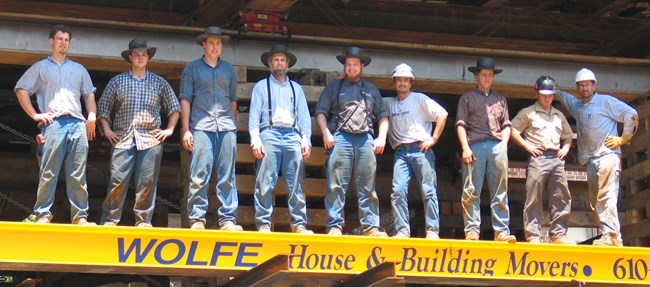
(268, 95)
(295, 104)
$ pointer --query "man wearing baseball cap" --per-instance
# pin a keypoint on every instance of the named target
(599, 148)
(129, 114)
(546, 135)
(411, 119)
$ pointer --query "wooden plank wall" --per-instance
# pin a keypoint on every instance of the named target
(634, 197)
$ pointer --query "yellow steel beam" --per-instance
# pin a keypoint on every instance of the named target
(182, 252)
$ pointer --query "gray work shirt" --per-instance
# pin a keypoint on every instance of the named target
(210, 92)
(58, 88)
(354, 109)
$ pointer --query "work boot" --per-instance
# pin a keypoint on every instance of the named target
(335, 231)
(264, 229)
(374, 232)
(230, 226)
(144, 225)
(198, 225)
(401, 235)
(563, 240)
(302, 230)
(43, 220)
(607, 240)
(83, 221)
(505, 237)
(534, 239)
(471, 235)
(432, 235)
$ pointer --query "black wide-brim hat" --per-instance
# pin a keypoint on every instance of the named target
(138, 44)
(211, 31)
(484, 64)
(354, 52)
(279, 48)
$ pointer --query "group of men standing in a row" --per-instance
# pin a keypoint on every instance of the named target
(348, 113)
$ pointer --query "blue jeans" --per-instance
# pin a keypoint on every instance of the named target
(352, 157)
(491, 159)
(146, 166)
(282, 147)
(66, 145)
(602, 183)
(409, 161)
(213, 150)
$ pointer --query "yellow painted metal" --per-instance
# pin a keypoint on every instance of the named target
(170, 251)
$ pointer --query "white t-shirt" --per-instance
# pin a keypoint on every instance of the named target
(411, 120)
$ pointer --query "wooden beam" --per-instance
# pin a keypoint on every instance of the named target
(270, 5)
(495, 3)
(44, 8)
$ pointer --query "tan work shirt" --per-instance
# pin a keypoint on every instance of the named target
(541, 128)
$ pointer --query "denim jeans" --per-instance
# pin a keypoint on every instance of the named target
(491, 159)
(282, 147)
(66, 145)
(545, 174)
(352, 157)
(602, 184)
(213, 150)
(409, 161)
(145, 164)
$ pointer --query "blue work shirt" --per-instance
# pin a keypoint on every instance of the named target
(597, 120)
(355, 108)
(58, 87)
(285, 112)
(210, 92)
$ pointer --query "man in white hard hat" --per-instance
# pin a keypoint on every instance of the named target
(347, 112)
(597, 116)
(483, 127)
(411, 119)
(547, 137)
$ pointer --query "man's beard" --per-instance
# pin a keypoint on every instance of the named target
(279, 73)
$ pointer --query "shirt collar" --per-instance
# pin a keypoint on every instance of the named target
(539, 108)
(146, 74)
(55, 62)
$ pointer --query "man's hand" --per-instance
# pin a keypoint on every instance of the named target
(468, 156)
(91, 123)
(258, 150)
(306, 151)
(427, 144)
(45, 118)
(162, 135)
(561, 154)
(614, 142)
(188, 140)
(380, 144)
(111, 136)
(534, 151)
(328, 139)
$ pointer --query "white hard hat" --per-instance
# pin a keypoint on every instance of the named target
(585, 75)
(403, 70)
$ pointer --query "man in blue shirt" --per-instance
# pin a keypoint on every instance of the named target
(59, 84)
(129, 114)
(346, 114)
(599, 147)
(280, 128)
(208, 96)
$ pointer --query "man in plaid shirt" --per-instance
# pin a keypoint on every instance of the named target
(129, 114)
